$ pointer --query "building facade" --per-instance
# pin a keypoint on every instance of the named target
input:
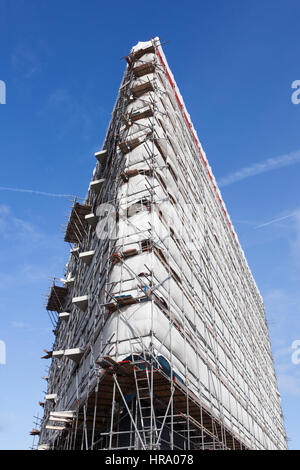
(161, 340)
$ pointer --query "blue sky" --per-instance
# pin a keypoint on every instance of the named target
(234, 62)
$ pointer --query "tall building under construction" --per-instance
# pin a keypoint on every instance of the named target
(161, 340)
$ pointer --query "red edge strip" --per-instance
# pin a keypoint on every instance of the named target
(194, 139)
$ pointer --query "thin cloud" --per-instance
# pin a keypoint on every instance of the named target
(12, 227)
(296, 242)
(258, 168)
(19, 324)
(25, 61)
(289, 384)
(32, 191)
(277, 220)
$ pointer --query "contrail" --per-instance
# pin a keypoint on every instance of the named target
(41, 193)
(276, 220)
(263, 167)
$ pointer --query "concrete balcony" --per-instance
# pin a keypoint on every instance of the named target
(51, 396)
(101, 156)
(81, 302)
(43, 447)
(74, 354)
(64, 316)
(58, 354)
(55, 428)
(92, 220)
(97, 185)
(75, 251)
(87, 256)
(69, 282)
(62, 414)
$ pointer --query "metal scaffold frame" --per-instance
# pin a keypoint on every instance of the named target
(155, 346)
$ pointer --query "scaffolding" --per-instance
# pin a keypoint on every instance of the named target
(161, 340)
